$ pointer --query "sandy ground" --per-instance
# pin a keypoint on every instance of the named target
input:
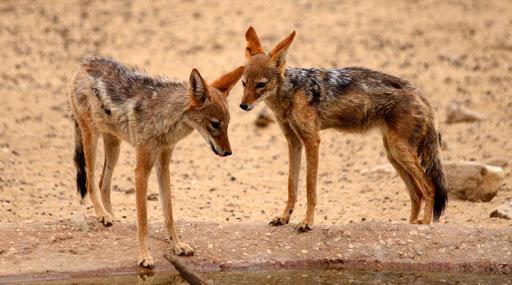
(454, 50)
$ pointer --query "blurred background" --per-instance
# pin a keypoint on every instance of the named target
(455, 51)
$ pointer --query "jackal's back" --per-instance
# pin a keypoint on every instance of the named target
(125, 101)
(354, 98)
(123, 82)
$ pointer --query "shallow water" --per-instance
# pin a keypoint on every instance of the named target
(302, 276)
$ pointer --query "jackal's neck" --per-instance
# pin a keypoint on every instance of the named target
(171, 115)
(280, 102)
(169, 106)
(174, 100)
(309, 81)
(294, 79)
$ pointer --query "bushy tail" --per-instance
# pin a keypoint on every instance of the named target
(81, 173)
(431, 162)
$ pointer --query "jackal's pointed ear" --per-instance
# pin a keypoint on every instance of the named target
(278, 53)
(228, 80)
(253, 43)
(198, 89)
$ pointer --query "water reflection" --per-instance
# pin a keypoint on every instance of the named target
(302, 276)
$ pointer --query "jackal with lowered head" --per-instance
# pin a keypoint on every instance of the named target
(307, 100)
(120, 103)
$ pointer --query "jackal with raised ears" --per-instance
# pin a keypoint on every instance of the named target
(307, 100)
(121, 103)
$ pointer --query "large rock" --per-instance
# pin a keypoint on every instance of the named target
(504, 211)
(457, 113)
(469, 180)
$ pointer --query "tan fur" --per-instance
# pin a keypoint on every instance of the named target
(121, 103)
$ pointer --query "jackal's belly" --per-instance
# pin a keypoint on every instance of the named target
(137, 133)
(351, 124)
(351, 117)
(115, 124)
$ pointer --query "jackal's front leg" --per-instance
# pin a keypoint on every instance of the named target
(145, 160)
(164, 181)
(294, 161)
(311, 144)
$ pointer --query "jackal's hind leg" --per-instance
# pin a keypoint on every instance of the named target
(164, 181)
(294, 161)
(407, 156)
(90, 141)
(414, 193)
(112, 146)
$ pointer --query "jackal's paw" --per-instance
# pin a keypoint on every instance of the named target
(304, 227)
(106, 219)
(417, 222)
(279, 221)
(182, 249)
(146, 261)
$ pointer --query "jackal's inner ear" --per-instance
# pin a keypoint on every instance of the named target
(278, 53)
(253, 43)
(198, 89)
(228, 80)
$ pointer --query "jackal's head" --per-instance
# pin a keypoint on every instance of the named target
(208, 109)
(264, 73)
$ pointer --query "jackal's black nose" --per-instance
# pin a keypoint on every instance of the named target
(227, 153)
(244, 107)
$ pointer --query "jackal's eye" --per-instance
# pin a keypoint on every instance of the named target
(243, 83)
(215, 125)
(261, 84)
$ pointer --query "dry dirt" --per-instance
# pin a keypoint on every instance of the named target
(454, 50)
(62, 250)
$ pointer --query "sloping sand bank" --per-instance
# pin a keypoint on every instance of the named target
(59, 250)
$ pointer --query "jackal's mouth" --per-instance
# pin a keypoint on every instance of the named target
(213, 148)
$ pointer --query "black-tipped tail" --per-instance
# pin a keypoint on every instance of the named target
(441, 191)
(431, 161)
(81, 173)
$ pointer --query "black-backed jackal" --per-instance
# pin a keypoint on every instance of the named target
(152, 114)
(307, 100)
